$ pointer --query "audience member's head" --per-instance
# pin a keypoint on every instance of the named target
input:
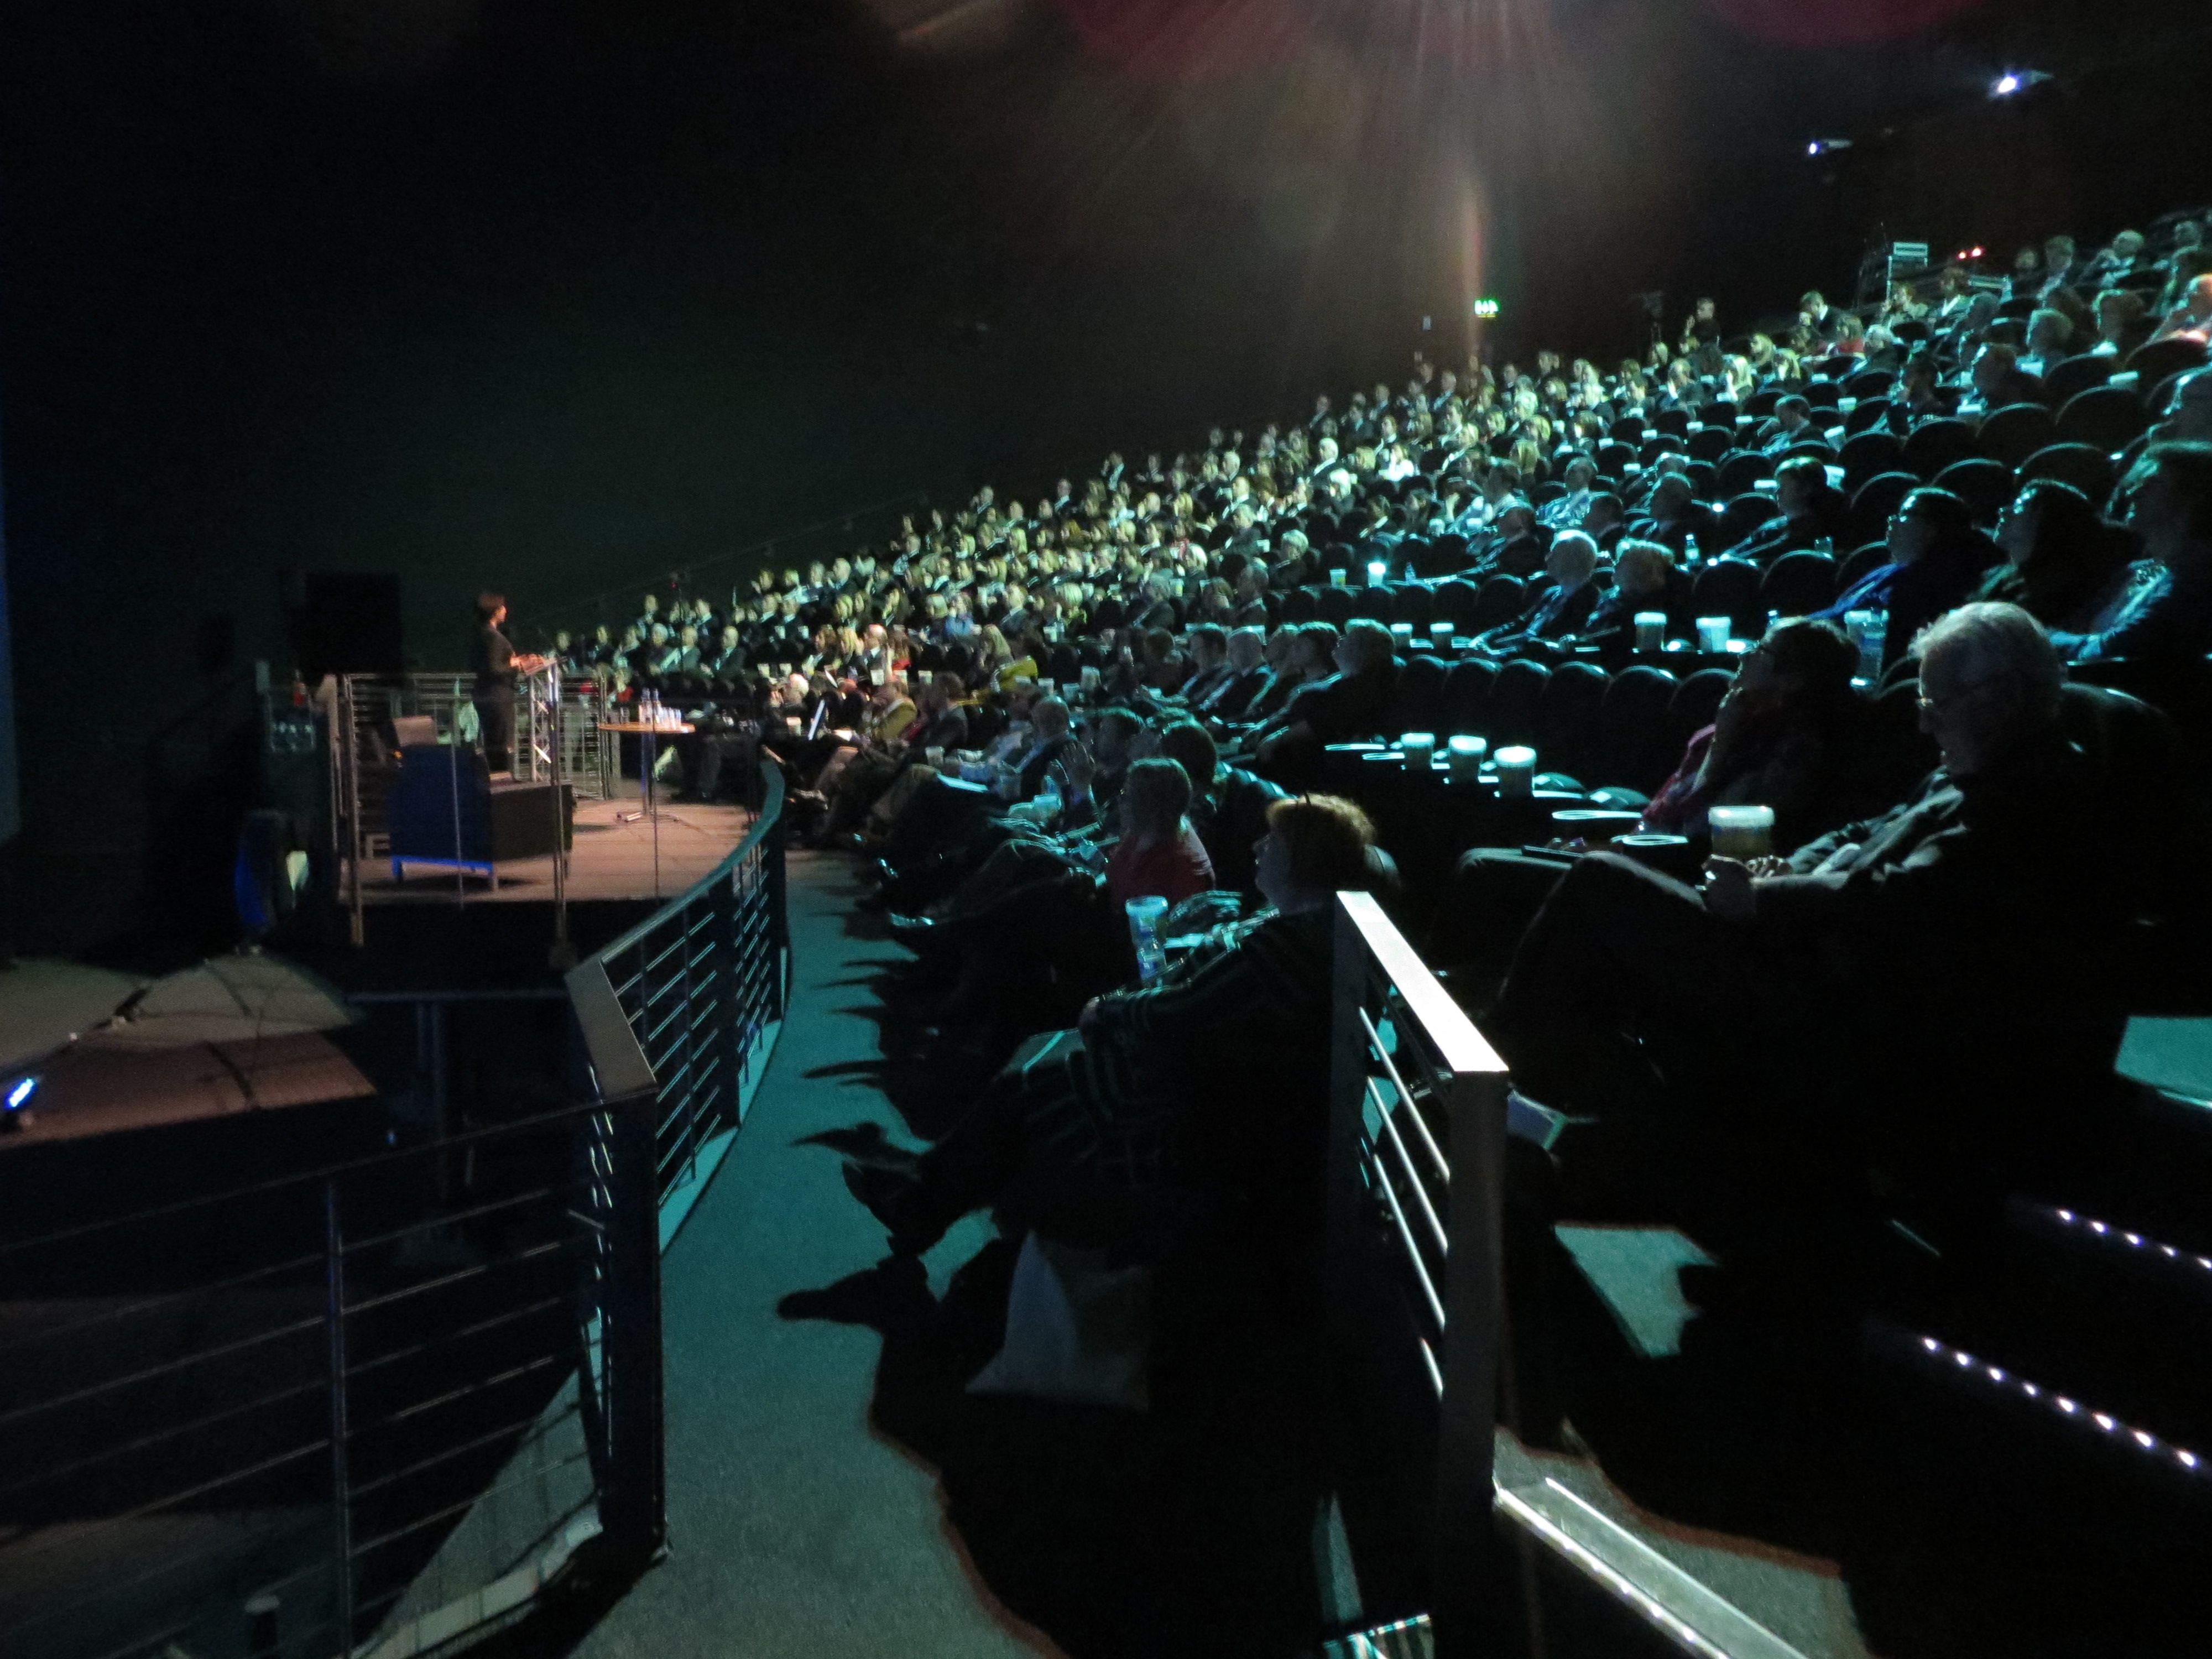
(1928, 522)
(1571, 560)
(1050, 716)
(1192, 747)
(2169, 504)
(1154, 798)
(2189, 415)
(1799, 485)
(1365, 647)
(1316, 846)
(1640, 568)
(1989, 685)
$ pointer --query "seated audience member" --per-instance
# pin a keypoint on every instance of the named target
(1300, 655)
(1561, 607)
(2121, 326)
(2191, 316)
(1567, 512)
(1918, 395)
(1678, 522)
(1607, 521)
(1352, 703)
(1159, 854)
(1247, 674)
(1996, 381)
(2050, 335)
(1783, 737)
(1214, 1073)
(1937, 558)
(1640, 573)
(1208, 656)
(1515, 544)
(1890, 993)
(2064, 564)
(1792, 424)
(1812, 512)
(2118, 259)
(1228, 804)
(2169, 497)
(2189, 412)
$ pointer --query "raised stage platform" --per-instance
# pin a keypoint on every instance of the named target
(615, 856)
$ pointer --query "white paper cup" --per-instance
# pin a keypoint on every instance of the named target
(1650, 630)
(1517, 771)
(1465, 755)
(1419, 748)
(1713, 634)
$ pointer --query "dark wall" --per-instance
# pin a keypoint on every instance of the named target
(562, 296)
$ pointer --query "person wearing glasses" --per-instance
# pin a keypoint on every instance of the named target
(1914, 987)
(1937, 558)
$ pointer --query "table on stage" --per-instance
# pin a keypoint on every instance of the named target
(648, 752)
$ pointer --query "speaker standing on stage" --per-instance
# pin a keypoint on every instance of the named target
(496, 666)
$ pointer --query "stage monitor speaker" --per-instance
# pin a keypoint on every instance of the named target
(349, 624)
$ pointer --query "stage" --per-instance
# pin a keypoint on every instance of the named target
(615, 856)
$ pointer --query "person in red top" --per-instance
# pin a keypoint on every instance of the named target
(1159, 854)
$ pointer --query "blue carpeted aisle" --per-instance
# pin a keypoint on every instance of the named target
(794, 1529)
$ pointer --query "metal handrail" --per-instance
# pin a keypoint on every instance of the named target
(1385, 998)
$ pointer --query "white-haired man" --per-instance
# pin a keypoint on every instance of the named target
(1915, 976)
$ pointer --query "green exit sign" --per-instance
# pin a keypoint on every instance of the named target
(1486, 309)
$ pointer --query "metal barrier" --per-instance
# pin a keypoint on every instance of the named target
(689, 1003)
(1417, 1147)
(369, 1407)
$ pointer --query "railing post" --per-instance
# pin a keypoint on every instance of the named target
(341, 1483)
(778, 917)
(632, 1509)
(1347, 1097)
(1465, 1577)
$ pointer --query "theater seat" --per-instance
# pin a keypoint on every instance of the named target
(1871, 505)
(1500, 599)
(1729, 587)
(1457, 602)
(2106, 417)
(1372, 603)
(1798, 583)
(1740, 470)
(1710, 443)
(2076, 374)
(2154, 364)
(1419, 704)
(1567, 718)
(1466, 693)
(1868, 415)
(1745, 514)
(1411, 602)
(1869, 453)
(1514, 701)
(1696, 701)
(1299, 605)
(1935, 444)
(1858, 564)
(1984, 484)
(1632, 730)
(2015, 432)
(2089, 470)
(1336, 604)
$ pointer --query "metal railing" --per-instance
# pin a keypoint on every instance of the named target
(364, 1408)
(1417, 1147)
(689, 1003)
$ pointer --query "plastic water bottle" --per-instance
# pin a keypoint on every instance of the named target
(1144, 915)
(1048, 801)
